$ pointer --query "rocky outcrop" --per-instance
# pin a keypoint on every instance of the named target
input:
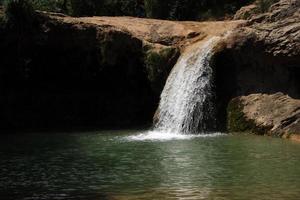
(104, 72)
(260, 60)
(109, 71)
(162, 40)
(273, 114)
(246, 12)
(278, 30)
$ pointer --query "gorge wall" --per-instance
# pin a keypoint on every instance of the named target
(108, 72)
(102, 72)
(261, 60)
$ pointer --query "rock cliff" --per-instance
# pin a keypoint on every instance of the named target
(110, 71)
(105, 72)
(273, 114)
(262, 59)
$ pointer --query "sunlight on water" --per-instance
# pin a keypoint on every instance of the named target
(147, 165)
(165, 136)
(186, 103)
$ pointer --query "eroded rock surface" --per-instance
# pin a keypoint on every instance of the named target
(166, 33)
(106, 71)
(278, 30)
(261, 57)
(271, 114)
(91, 71)
(246, 12)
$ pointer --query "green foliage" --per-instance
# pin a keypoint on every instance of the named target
(51, 5)
(192, 9)
(19, 14)
(105, 7)
(157, 9)
(167, 9)
(264, 5)
(1, 14)
(236, 121)
(184, 9)
(118, 8)
(2, 21)
(158, 65)
(45, 5)
(84, 7)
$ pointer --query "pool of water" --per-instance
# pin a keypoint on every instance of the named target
(127, 165)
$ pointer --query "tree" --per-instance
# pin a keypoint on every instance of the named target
(19, 14)
(85, 7)
(157, 9)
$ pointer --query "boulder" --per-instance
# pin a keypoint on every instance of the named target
(270, 114)
(277, 31)
(261, 57)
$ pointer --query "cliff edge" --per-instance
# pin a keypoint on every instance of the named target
(266, 71)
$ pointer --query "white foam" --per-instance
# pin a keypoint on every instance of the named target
(166, 136)
(186, 103)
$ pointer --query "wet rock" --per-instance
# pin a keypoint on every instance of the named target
(103, 72)
(262, 57)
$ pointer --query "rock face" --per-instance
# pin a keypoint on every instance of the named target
(104, 72)
(263, 57)
(246, 12)
(110, 71)
(271, 114)
(278, 30)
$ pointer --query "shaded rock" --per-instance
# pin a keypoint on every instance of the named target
(274, 114)
(278, 30)
(158, 63)
(246, 12)
(261, 57)
(103, 72)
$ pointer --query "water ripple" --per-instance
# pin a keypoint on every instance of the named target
(166, 136)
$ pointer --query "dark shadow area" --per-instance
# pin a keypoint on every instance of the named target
(57, 77)
(250, 70)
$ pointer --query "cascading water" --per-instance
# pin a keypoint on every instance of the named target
(186, 104)
(187, 101)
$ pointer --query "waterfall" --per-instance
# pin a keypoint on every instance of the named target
(186, 103)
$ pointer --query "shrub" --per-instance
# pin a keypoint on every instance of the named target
(1, 14)
(2, 21)
(157, 8)
(84, 7)
(264, 5)
(19, 14)
(52, 5)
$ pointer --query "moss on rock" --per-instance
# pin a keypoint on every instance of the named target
(158, 64)
(236, 121)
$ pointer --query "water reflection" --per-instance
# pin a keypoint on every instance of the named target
(110, 166)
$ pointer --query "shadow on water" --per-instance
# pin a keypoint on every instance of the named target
(112, 165)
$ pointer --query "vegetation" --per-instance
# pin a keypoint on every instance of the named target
(167, 9)
(1, 16)
(158, 65)
(19, 14)
(238, 122)
(192, 9)
(264, 5)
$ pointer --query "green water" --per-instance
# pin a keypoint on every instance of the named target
(110, 165)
